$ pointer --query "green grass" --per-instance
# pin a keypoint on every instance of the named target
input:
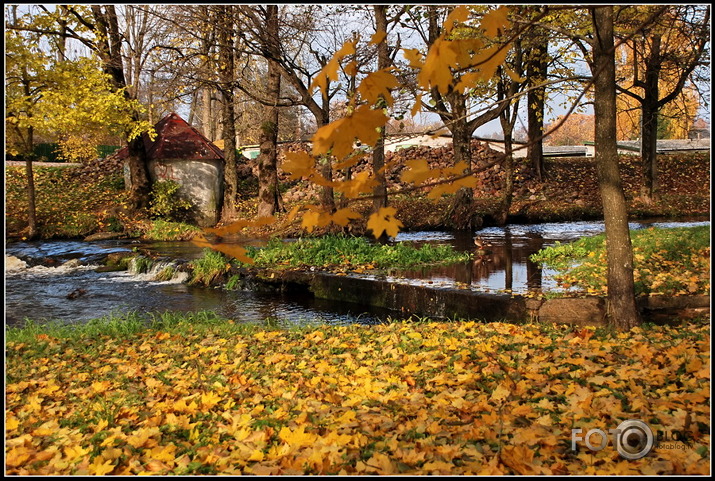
(666, 261)
(127, 325)
(351, 252)
(162, 230)
(207, 269)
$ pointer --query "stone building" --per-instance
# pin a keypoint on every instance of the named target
(182, 154)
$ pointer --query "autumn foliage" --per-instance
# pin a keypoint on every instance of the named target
(453, 63)
(403, 398)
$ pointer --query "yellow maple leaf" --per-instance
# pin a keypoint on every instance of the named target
(330, 70)
(459, 15)
(338, 137)
(17, 456)
(101, 386)
(296, 438)
(521, 460)
(343, 216)
(384, 220)
(231, 228)
(163, 453)
(378, 37)
(436, 71)
(515, 77)
(11, 422)
(298, 164)
(366, 123)
(442, 189)
(232, 250)
(381, 463)
(292, 214)
(315, 218)
(141, 436)
(414, 57)
(417, 171)
(417, 107)
(500, 393)
(378, 84)
(495, 21)
(350, 161)
(363, 182)
(100, 467)
(351, 69)
(329, 137)
(490, 59)
(74, 452)
(209, 400)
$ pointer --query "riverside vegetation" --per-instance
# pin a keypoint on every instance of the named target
(666, 262)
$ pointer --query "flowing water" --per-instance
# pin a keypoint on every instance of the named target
(58, 280)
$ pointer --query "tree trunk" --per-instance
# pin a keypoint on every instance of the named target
(649, 124)
(327, 194)
(206, 114)
(226, 72)
(32, 229)
(461, 213)
(622, 309)
(378, 153)
(138, 174)
(508, 166)
(536, 67)
(269, 199)
(109, 50)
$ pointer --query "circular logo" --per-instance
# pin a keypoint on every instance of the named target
(634, 439)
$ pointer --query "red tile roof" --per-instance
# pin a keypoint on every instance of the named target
(176, 139)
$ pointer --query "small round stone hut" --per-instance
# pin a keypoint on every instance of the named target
(182, 154)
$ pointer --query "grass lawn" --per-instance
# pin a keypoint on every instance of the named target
(201, 395)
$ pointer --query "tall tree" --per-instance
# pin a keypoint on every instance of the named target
(622, 308)
(537, 62)
(269, 198)
(105, 26)
(508, 86)
(670, 47)
(378, 153)
(453, 106)
(40, 85)
(226, 25)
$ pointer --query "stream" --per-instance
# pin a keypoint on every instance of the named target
(58, 280)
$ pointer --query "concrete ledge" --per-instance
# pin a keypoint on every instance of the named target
(589, 311)
(419, 300)
(444, 303)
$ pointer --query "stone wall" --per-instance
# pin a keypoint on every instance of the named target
(201, 183)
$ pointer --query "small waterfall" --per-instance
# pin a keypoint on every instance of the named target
(160, 270)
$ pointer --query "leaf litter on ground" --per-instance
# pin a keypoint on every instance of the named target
(401, 398)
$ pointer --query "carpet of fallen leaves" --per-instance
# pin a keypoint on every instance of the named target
(409, 398)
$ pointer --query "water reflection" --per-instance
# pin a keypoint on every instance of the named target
(506, 265)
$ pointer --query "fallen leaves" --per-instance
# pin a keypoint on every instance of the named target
(403, 398)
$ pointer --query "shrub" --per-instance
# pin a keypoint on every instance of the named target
(167, 202)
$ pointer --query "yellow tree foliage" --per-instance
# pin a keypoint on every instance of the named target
(676, 117)
(575, 130)
(70, 100)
